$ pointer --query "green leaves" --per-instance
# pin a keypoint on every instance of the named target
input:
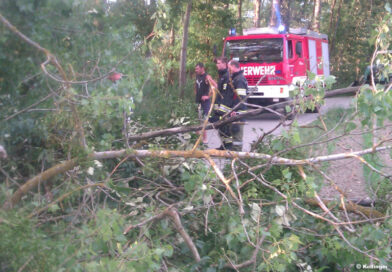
(329, 81)
(292, 135)
(110, 225)
(374, 105)
(25, 5)
(388, 7)
(255, 212)
(85, 231)
(350, 126)
(284, 216)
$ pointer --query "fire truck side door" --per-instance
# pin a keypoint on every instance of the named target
(297, 61)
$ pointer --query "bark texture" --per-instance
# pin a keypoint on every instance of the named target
(316, 16)
(256, 19)
(183, 56)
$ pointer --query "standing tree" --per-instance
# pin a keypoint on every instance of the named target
(334, 23)
(333, 4)
(316, 15)
(139, 14)
(256, 19)
(239, 15)
(286, 13)
(184, 50)
(273, 18)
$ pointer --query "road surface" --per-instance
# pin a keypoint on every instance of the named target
(265, 122)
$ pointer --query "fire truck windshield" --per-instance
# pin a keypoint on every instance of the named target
(255, 50)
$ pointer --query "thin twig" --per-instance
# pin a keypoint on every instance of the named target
(224, 180)
(343, 205)
(29, 107)
(253, 259)
(238, 188)
(61, 198)
(362, 160)
(354, 247)
(26, 263)
(173, 214)
(327, 211)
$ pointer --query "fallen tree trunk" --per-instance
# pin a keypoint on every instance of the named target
(351, 207)
(39, 179)
(348, 90)
(68, 165)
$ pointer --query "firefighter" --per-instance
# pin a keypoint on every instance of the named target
(240, 87)
(202, 88)
(239, 83)
(226, 100)
(203, 93)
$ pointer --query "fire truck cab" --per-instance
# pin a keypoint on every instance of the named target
(278, 62)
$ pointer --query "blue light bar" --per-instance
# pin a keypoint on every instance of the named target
(282, 29)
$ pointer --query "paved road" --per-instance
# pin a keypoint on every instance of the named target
(265, 122)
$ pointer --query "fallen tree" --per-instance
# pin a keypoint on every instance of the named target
(257, 197)
(126, 153)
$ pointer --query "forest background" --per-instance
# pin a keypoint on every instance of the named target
(103, 173)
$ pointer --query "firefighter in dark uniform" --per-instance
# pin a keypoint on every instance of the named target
(202, 88)
(240, 87)
(239, 82)
(203, 93)
(226, 100)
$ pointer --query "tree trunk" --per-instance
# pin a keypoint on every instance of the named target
(239, 15)
(316, 16)
(332, 14)
(256, 19)
(303, 15)
(172, 40)
(263, 18)
(286, 13)
(273, 13)
(182, 78)
(335, 28)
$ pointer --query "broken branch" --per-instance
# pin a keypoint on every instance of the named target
(68, 165)
(175, 217)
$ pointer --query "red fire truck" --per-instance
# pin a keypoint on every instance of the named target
(278, 62)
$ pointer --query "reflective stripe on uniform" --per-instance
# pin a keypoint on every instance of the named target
(223, 108)
(241, 92)
(227, 140)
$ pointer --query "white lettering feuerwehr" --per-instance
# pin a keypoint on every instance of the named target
(258, 70)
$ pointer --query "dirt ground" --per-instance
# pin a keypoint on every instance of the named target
(348, 174)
